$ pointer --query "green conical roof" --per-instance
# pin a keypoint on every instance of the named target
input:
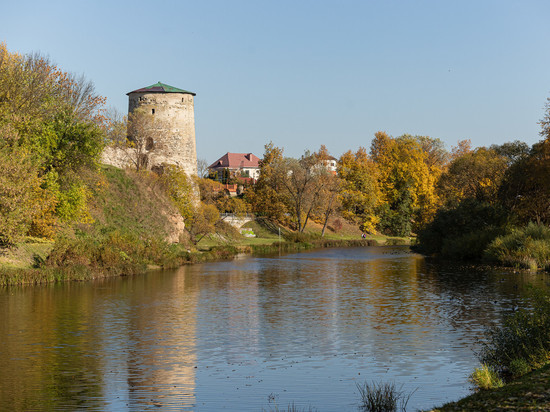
(161, 88)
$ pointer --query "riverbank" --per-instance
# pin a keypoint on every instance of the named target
(37, 263)
(529, 393)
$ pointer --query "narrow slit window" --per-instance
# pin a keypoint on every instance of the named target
(152, 111)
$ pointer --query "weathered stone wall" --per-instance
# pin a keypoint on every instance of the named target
(177, 111)
(115, 156)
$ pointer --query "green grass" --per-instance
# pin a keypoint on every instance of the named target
(485, 378)
(27, 254)
(528, 393)
(268, 234)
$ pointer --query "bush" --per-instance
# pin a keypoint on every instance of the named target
(20, 194)
(112, 252)
(464, 231)
(471, 245)
(528, 247)
(522, 342)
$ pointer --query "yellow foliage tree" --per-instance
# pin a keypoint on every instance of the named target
(407, 174)
(360, 192)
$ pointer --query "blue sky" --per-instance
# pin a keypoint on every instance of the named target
(306, 73)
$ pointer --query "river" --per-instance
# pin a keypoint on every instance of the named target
(253, 334)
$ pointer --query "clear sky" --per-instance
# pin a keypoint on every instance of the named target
(306, 73)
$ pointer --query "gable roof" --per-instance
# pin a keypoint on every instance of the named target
(161, 88)
(236, 161)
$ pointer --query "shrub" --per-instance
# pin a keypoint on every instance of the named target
(528, 247)
(20, 194)
(519, 367)
(463, 232)
(522, 342)
(486, 378)
(112, 252)
(471, 245)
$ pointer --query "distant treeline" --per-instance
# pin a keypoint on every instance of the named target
(53, 128)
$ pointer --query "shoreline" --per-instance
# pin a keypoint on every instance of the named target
(13, 276)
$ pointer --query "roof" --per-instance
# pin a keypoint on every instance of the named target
(236, 161)
(161, 88)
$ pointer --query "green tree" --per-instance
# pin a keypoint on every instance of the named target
(20, 194)
(264, 196)
(180, 189)
(512, 151)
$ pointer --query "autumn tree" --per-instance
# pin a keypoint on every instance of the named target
(301, 183)
(55, 116)
(406, 182)
(462, 148)
(545, 121)
(329, 200)
(202, 221)
(264, 196)
(360, 193)
(181, 190)
(330, 186)
(475, 175)
(115, 128)
(19, 194)
(512, 152)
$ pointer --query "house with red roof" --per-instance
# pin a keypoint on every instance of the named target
(243, 165)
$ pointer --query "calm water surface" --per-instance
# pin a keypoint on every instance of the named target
(252, 334)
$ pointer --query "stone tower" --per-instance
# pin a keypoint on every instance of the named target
(174, 107)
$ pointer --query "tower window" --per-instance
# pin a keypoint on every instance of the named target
(152, 111)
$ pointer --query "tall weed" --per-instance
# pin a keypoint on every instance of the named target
(382, 397)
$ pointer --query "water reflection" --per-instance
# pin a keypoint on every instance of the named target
(302, 328)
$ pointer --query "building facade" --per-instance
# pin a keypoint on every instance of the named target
(245, 165)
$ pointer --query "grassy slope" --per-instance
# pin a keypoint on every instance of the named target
(529, 393)
(25, 254)
(132, 202)
(269, 235)
(122, 201)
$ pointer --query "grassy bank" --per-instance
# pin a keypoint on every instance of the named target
(118, 255)
(529, 393)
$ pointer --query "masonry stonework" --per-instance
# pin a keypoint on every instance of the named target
(175, 109)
